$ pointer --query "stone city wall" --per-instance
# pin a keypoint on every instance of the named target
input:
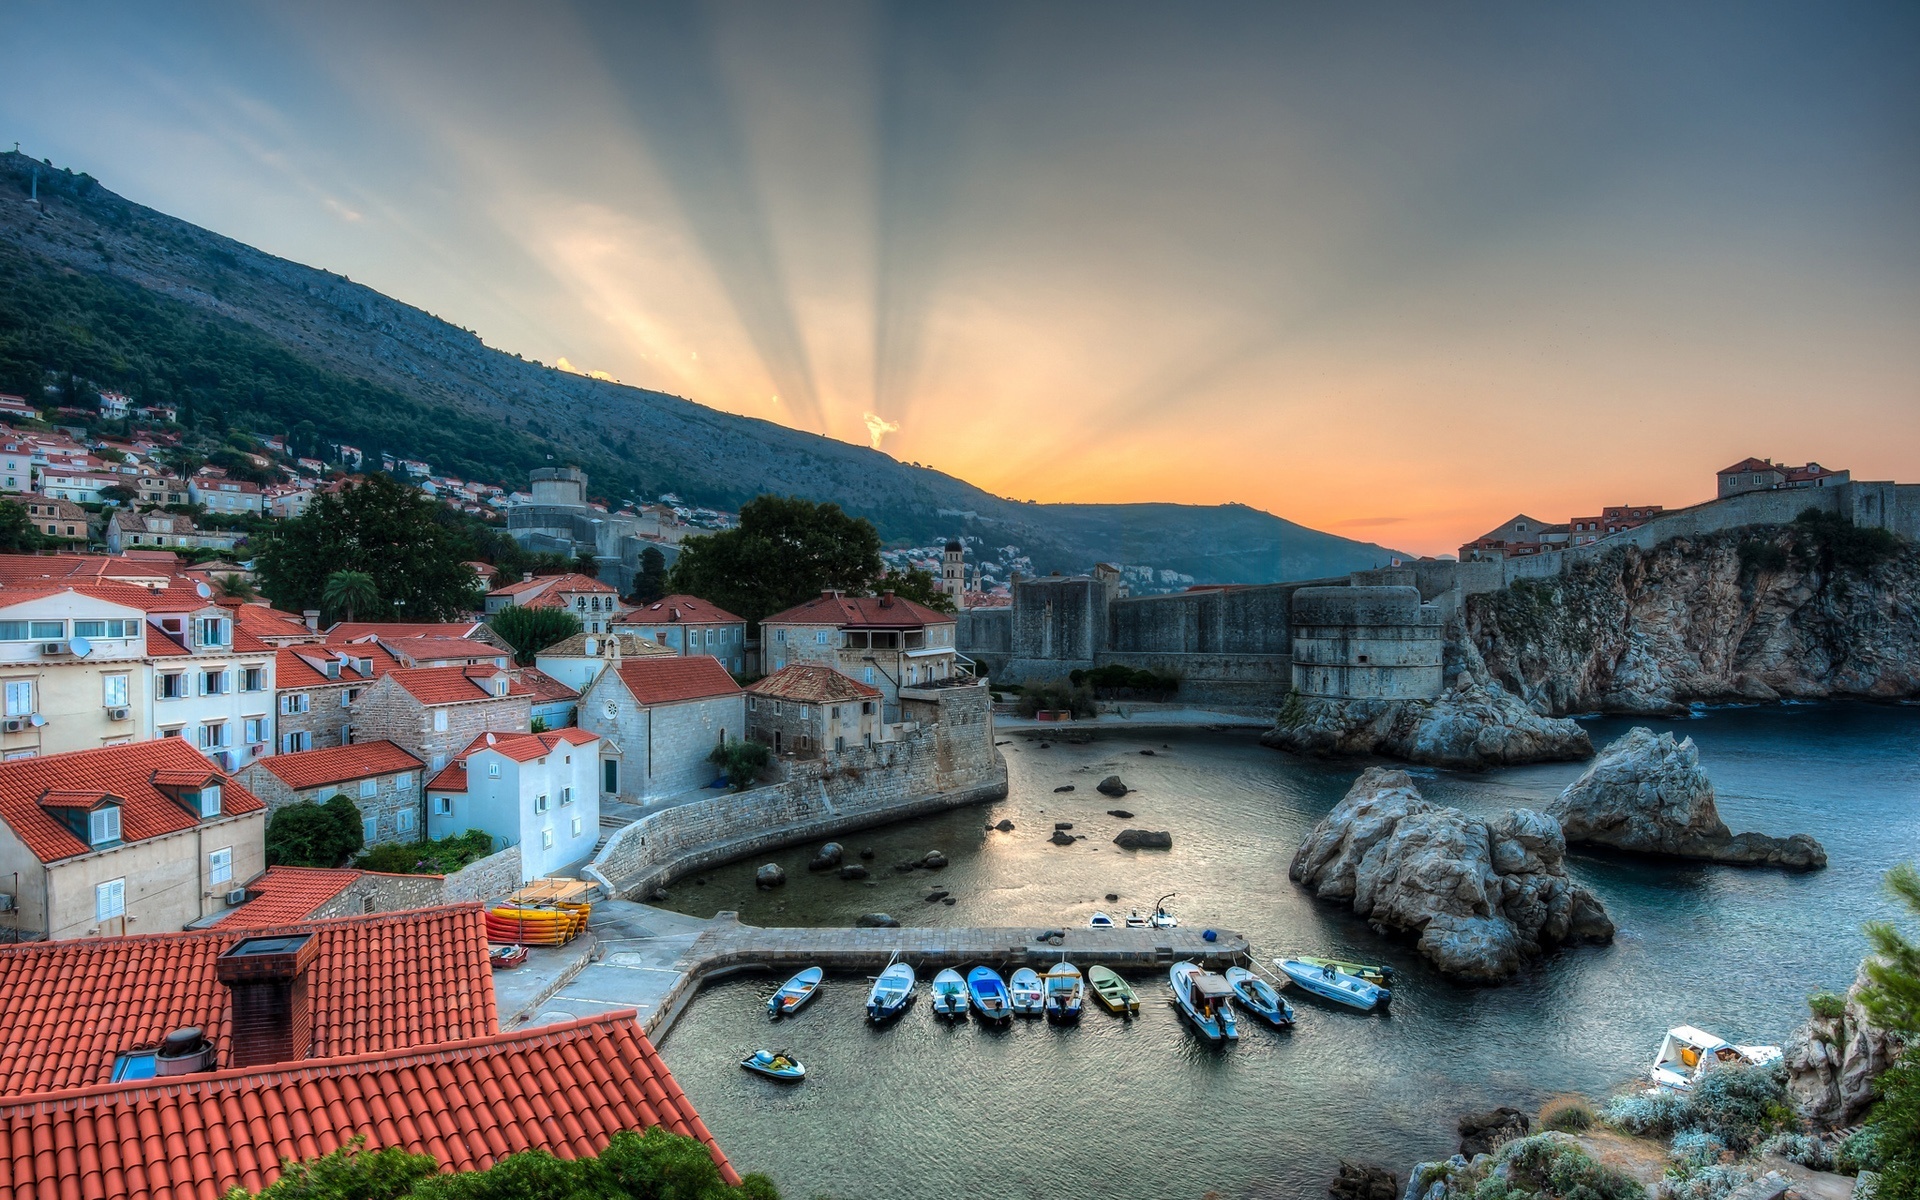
(480, 881)
(1366, 643)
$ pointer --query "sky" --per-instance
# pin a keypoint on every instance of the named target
(1392, 271)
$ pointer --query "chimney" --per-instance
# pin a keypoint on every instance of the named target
(886, 599)
(312, 616)
(526, 577)
(271, 1018)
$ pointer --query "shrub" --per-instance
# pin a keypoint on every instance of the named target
(1572, 1117)
(1800, 1148)
(1759, 555)
(314, 835)
(1557, 1165)
(1859, 1152)
(1057, 694)
(743, 762)
(1716, 1182)
(1116, 677)
(531, 630)
(1657, 1115)
(1741, 1105)
(442, 857)
(1834, 543)
(1827, 1005)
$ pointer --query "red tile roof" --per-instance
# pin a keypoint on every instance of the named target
(441, 649)
(566, 1088)
(128, 772)
(338, 764)
(271, 622)
(349, 631)
(378, 983)
(287, 896)
(293, 666)
(540, 585)
(1749, 464)
(450, 685)
(544, 687)
(678, 610)
(655, 680)
(879, 612)
(520, 747)
(813, 683)
(452, 778)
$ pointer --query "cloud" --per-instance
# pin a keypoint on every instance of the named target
(879, 427)
(564, 365)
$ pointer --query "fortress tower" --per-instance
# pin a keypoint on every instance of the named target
(953, 573)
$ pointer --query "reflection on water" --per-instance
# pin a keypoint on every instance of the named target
(1142, 1108)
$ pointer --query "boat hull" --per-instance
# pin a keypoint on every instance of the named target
(1218, 1026)
(1340, 988)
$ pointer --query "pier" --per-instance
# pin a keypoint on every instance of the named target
(656, 961)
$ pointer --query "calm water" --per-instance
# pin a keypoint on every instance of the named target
(1113, 1109)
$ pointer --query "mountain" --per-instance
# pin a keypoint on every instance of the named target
(99, 292)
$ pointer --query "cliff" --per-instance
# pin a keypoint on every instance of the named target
(1814, 609)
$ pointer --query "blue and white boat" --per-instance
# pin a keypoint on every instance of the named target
(891, 993)
(1206, 1000)
(1066, 992)
(794, 993)
(1025, 993)
(1258, 997)
(1330, 983)
(774, 1065)
(989, 994)
(949, 994)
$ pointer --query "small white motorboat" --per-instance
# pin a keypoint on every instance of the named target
(1136, 921)
(1026, 994)
(1100, 920)
(1162, 919)
(794, 993)
(1258, 997)
(949, 994)
(989, 994)
(775, 1065)
(891, 993)
(1687, 1053)
(1066, 991)
(1336, 985)
(1205, 999)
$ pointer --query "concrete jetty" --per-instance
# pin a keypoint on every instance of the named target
(656, 961)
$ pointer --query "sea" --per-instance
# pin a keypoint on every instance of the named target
(1115, 1108)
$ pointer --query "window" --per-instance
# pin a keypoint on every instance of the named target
(293, 704)
(493, 770)
(443, 806)
(213, 683)
(13, 631)
(369, 788)
(821, 637)
(109, 899)
(103, 825)
(104, 629)
(213, 631)
(47, 630)
(369, 830)
(566, 796)
(220, 865)
(869, 676)
(540, 802)
(610, 775)
(253, 679)
(576, 827)
(439, 720)
(256, 731)
(403, 782)
(546, 839)
(113, 691)
(19, 697)
(210, 801)
(403, 820)
(213, 736)
(499, 687)
(294, 743)
(138, 1064)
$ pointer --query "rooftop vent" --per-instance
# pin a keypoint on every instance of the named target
(184, 1052)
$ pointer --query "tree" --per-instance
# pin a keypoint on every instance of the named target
(1892, 998)
(585, 564)
(650, 581)
(742, 761)
(314, 835)
(919, 586)
(17, 534)
(349, 593)
(785, 551)
(381, 528)
(531, 630)
(119, 493)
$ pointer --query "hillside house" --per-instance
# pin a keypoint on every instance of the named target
(690, 625)
(806, 710)
(537, 791)
(315, 687)
(595, 604)
(57, 700)
(1763, 474)
(435, 712)
(884, 641)
(577, 661)
(382, 780)
(60, 521)
(227, 496)
(662, 718)
(128, 530)
(213, 682)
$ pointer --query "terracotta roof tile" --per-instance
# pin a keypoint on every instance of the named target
(385, 982)
(813, 683)
(543, 687)
(128, 772)
(287, 896)
(566, 1088)
(541, 585)
(679, 610)
(525, 747)
(576, 646)
(671, 680)
(348, 631)
(449, 685)
(861, 611)
(338, 764)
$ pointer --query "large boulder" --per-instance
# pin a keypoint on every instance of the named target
(1832, 1063)
(828, 858)
(1475, 725)
(1144, 839)
(770, 876)
(876, 921)
(1364, 1181)
(1481, 897)
(1647, 793)
(1111, 786)
(1485, 1132)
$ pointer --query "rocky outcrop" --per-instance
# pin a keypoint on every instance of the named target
(828, 858)
(1485, 1132)
(1364, 1181)
(1474, 725)
(1647, 793)
(1832, 1063)
(1481, 897)
(1111, 786)
(1144, 839)
(1789, 611)
(770, 876)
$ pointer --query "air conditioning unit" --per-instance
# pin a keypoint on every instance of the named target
(16, 724)
(236, 896)
(54, 648)
(6, 902)
(119, 714)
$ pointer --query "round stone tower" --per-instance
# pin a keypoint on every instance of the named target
(1366, 643)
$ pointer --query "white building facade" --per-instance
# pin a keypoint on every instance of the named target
(537, 791)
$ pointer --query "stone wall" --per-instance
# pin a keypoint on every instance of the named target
(942, 765)
(397, 814)
(324, 719)
(498, 874)
(384, 709)
(1366, 643)
(1058, 624)
(663, 750)
(479, 882)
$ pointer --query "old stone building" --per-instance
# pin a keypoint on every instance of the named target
(435, 712)
(661, 719)
(690, 625)
(577, 661)
(1366, 643)
(381, 779)
(884, 641)
(806, 710)
(315, 690)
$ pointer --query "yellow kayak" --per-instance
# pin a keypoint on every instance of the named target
(1114, 993)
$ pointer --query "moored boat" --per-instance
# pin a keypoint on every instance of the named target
(794, 993)
(949, 994)
(1205, 999)
(1066, 990)
(1136, 921)
(1114, 993)
(1026, 994)
(1686, 1053)
(989, 994)
(1333, 984)
(891, 993)
(1099, 920)
(1258, 997)
(775, 1065)
(1371, 972)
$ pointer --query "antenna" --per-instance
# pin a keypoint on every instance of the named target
(204, 591)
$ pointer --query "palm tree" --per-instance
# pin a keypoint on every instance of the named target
(236, 587)
(349, 592)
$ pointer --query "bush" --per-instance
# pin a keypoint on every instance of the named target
(1827, 1005)
(1557, 1166)
(1572, 1117)
(1760, 555)
(1894, 1147)
(744, 762)
(1656, 1115)
(1834, 543)
(1741, 1105)
(442, 857)
(531, 630)
(1800, 1148)
(1116, 677)
(1057, 694)
(1859, 1152)
(314, 835)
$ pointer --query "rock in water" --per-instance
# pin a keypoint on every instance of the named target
(1364, 1181)
(828, 858)
(1064, 788)
(1485, 1132)
(1832, 1063)
(1063, 824)
(1122, 813)
(876, 921)
(1481, 897)
(1061, 838)
(1479, 725)
(1004, 826)
(1647, 793)
(1111, 786)
(934, 860)
(770, 876)
(853, 871)
(1144, 839)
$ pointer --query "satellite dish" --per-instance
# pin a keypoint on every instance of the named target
(80, 646)
(205, 591)
(36, 720)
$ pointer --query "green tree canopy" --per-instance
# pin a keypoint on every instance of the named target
(650, 581)
(919, 586)
(383, 529)
(17, 534)
(531, 630)
(348, 595)
(314, 835)
(786, 550)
